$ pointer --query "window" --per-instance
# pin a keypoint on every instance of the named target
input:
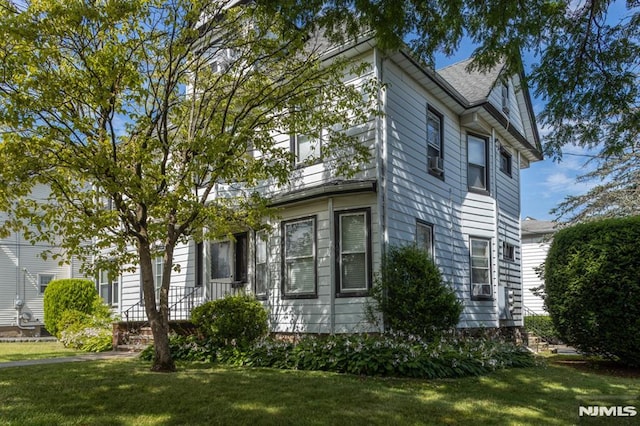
(505, 161)
(299, 258)
(505, 98)
(424, 237)
(44, 280)
(261, 270)
(508, 251)
(434, 142)
(229, 259)
(480, 269)
(108, 287)
(306, 149)
(477, 170)
(353, 252)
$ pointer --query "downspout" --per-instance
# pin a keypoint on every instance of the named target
(381, 154)
(332, 268)
(494, 162)
(18, 304)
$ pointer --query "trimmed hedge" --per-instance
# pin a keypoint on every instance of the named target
(592, 285)
(66, 295)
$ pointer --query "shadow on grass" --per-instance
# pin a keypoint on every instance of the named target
(123, 392)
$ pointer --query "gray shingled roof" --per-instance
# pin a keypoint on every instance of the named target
(538, 227)
(475, 86)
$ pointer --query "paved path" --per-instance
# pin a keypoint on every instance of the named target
(75, 358)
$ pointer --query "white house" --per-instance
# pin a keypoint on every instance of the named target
(536, 240)
(24, 276)
(444, 174)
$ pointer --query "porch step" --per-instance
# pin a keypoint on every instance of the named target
(536, 343)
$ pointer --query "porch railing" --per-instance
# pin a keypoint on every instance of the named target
(182, 300)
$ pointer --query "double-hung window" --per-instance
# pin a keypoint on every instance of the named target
(306, 148)
(299, 258)
(261, 269)
(108, 287)
(508, 251)
(505, 98)
(480, 269)
(435, 142)
(44, 280)
(424, 237)
(353, 252)
(477, 170)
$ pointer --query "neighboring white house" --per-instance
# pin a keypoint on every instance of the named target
(24, 275)
(536, 240)
(444, 174)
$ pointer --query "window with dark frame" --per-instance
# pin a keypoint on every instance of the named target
(299, 264)
(424, 237)
(480, 255)
(508, 251)
(44, 280)
(229, 259)
(505, 161)
(353, 252)
(477, 159)
(435, 142)
(261, 268)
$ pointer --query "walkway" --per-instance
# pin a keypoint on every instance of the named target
(76, 358)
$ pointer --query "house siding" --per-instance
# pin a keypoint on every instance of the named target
(534, 254)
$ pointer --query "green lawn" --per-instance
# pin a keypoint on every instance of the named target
(33, 350)
(125, 392)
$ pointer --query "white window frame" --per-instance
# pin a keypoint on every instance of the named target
(480, 290)
(341, 289)
(261, 247)
(315, 153)
(505, 98)
(112, 286)
(234, 263)
(42, 277)
(287, 291)
(426, 246)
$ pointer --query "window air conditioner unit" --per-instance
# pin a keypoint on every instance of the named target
(436, 165)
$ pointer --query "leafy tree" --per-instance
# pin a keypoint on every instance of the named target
(616, 194)
(135, 112)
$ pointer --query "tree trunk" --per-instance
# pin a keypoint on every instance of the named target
(158, 318)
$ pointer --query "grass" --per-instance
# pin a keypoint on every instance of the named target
(125, 392)
(20, 351)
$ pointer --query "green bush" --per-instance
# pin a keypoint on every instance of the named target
(383, 355)
(234, 320)
(89, 333)
(65, 295)
(410, 294)
(186, 348)
(592, 288)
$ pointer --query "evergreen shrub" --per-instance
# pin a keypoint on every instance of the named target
(592, 285)
(66, 295)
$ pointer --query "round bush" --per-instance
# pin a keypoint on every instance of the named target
(239, 320)
(65, 295)
(411, 295)
(592, 285)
